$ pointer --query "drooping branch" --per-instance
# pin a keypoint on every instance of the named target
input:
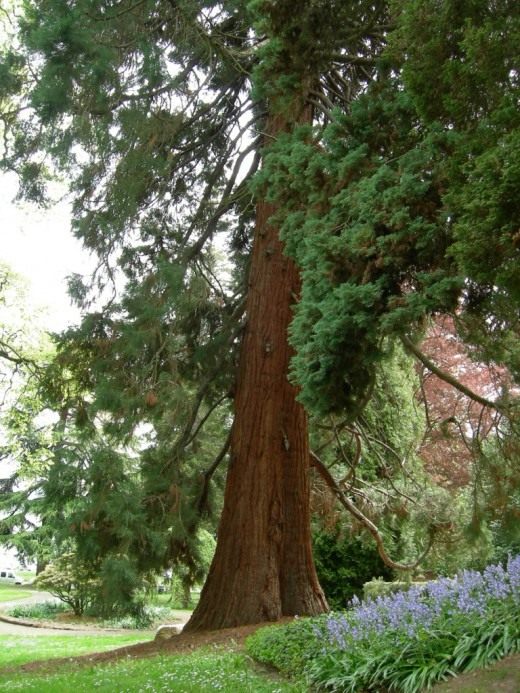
(206, 476)
(356, 512)
(448, 378)
(9, 353)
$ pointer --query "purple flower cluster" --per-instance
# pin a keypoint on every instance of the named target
(469, 593)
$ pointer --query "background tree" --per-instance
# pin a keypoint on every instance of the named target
(70, 582)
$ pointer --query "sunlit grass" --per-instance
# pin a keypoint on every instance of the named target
(190, 673)
(18, 649)
(9, 593)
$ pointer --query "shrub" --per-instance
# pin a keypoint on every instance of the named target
(70, 581)
(287, 648)
(42, 610)
(407, 641)
(380, 588)
(344, 563)
(145, 618)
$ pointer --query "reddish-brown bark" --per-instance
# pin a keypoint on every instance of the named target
(263, 567)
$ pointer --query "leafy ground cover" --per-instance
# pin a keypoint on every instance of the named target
(198, 672)
(407, 641)
(16, 649)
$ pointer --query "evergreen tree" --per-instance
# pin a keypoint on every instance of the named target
(160, 112)
(146, 107)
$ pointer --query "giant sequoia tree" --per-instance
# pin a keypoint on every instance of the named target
(160, 113)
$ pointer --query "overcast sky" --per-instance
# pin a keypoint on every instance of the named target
(39, 245)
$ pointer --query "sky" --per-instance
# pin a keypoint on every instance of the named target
(38, 245)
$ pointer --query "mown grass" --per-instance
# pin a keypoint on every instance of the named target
(9, 593)
(198, 672)
(18, 649)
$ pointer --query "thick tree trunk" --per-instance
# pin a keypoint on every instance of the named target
(263, 567)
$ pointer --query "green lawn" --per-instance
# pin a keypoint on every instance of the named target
(199, 672)
(9, 593)
(19, 649)
(165, 599)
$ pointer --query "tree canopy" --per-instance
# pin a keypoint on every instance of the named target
(403, 206)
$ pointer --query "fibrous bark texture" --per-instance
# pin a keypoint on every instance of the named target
(263, 567)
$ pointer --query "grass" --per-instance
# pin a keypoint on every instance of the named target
(198, 672)
(19, 649)
(165, 599)
(9, 593)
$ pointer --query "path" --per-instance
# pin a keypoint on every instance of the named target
(16, 629)
(10, 628)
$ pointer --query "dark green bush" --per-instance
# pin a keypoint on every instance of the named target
(344, 563)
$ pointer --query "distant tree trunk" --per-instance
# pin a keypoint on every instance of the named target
(41, 564)
(186, 595)
(263, 567)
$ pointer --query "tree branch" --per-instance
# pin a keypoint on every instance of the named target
(430, 365)
(203, 498)
(356, 512)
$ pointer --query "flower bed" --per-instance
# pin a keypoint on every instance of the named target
(405, 641)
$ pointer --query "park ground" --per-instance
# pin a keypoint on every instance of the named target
(198, 662)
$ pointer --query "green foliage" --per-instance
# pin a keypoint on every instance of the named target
(70, 581)
(288, 648)
(344, 564)
(497, 498)
(300, 45)
(380, 588)
(459, 543)
(186, 577)
(144, 619)
(392, 643)
(45, 611)
(392, 210)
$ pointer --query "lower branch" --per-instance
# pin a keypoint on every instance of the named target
(203, 498)
(449, 378)
(356, 512)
